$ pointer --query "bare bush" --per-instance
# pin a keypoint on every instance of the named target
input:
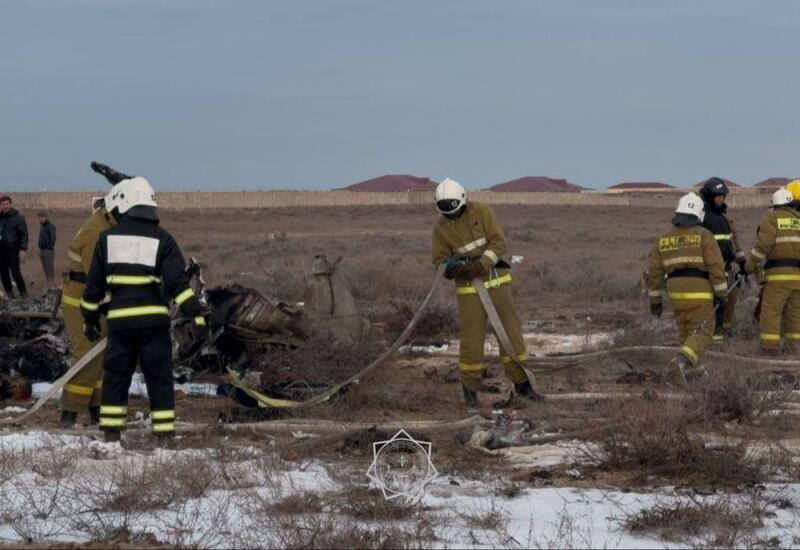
(567, 531)
(320, 362)
(655, 437)
(33, 503)
(487, 522)
(111, 504)
(438, 320)
(366, 504)
(727, 521)
(730, 394)
(199, 523)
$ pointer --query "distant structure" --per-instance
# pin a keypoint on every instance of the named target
(772, 184)
(729, 183)
(644, 186)
(538, 184)
(394, 182)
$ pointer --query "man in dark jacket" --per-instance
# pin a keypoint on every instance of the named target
(47, 245)
(713, 192)
(13, 247)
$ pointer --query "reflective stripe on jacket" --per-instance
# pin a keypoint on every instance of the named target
(475, 234)
(141, 265)
(692, 251)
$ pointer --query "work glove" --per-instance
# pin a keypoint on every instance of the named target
(719, 303)
(474, 269)
(656, 309)
(465, 270)
(91, 329)
(452, 268)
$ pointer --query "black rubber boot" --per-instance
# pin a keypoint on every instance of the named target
(113, 436)
(68, 419)
(470, 398)
(94, 415)
(526, 390)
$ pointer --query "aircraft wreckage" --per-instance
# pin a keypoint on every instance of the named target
(242, 324)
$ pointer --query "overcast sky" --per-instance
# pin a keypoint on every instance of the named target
(319, 94)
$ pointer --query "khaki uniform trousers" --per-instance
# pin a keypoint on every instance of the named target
(780, 315)
(84, 389)
(472, 322)
(696, 322)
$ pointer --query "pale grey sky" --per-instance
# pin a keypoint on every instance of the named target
(319, 94)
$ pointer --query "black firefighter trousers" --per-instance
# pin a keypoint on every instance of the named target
(152, 349)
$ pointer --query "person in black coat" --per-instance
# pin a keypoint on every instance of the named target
(13, 247)
(47, 245)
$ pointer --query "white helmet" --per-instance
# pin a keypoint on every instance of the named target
(130, 193)
(450, 196)
(781, 197)
(692, 205)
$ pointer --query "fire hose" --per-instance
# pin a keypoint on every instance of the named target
(560, 362)
(267, 401)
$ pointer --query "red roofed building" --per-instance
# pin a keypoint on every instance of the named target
(729, 183)
(393, 182)
(772, 183)
(648, 186)
(538, 183)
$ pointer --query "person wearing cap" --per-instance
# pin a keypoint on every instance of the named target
(687, 261)
(47, 246)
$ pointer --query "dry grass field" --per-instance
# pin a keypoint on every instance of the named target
(580, 279)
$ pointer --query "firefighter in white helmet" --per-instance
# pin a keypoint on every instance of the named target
(470, 240)
(140, 264)
(777, 253)
(688, 259)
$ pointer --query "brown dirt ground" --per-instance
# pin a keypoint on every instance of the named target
(581, 275)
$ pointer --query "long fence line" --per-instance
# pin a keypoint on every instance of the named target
(196, 200)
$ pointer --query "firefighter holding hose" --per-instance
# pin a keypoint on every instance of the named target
(469, 239)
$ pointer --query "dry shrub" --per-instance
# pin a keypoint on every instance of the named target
(394, 395)
(439, 319)
(33, 503)
(730, 394)
(321, 361)
(326, 531)
(203, 523)
(654, 437)
(111, 504)
(727, 521)
(303, 502)
(365, 504)
(593, 282)
(285, 517)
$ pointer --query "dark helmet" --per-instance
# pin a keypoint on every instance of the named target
(712, 187)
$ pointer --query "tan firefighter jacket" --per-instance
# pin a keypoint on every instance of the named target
(475, 234)
(79, 255)
(690, 260)
(778, 246)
